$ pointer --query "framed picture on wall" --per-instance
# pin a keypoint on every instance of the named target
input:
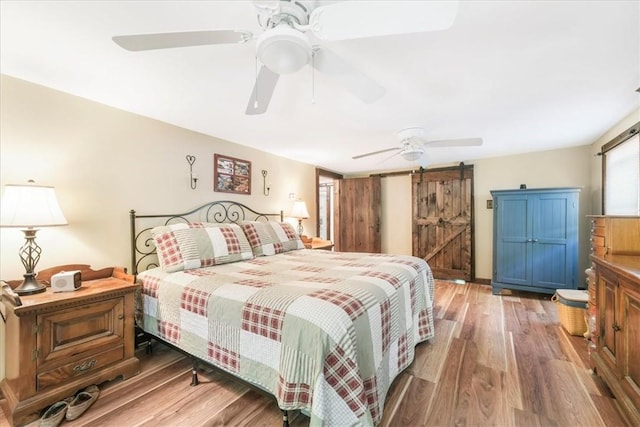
(231, 175)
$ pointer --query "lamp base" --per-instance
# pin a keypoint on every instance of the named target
(30, 286)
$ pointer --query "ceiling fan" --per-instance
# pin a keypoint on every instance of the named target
(292, 29)
(413, 145)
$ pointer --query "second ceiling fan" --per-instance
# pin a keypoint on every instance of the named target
(413, 145)
(291, 33)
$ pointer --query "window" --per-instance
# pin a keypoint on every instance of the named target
(621, 173)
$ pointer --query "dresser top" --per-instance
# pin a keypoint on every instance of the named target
(539, 190)
(625, 265)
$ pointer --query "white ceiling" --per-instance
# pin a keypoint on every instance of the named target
(523, 75)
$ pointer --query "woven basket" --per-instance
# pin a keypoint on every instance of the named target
(571, 311)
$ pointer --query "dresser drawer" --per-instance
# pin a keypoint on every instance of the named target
(599, 251)
(598, 222)
(79, 368)
(597, 241)
(598, 231)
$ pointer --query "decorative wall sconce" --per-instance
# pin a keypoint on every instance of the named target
(265, 188)
(193, 178)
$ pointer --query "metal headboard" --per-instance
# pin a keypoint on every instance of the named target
(143, 251)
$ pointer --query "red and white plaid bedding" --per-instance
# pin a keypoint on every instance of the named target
(322, 331)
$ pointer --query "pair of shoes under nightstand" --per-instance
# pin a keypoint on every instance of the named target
(70, 408)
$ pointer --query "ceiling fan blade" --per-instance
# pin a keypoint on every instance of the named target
(357, 19)
(349, 77)
(386, 159)
(466, 142)
(262, 91)
(376, 152)
(137, 42)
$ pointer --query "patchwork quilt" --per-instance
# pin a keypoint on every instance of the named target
(324, 332)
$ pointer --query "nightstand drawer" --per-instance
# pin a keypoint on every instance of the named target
(76, 333)
(79, 368)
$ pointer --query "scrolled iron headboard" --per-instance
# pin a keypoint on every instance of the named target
(143, 251)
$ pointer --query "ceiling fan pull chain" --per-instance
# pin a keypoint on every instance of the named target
(255, 101)
(313, 76)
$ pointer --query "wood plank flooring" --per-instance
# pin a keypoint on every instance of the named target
(495, 361)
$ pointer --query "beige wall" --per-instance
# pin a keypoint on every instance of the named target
(557, 168)
(395, 225)
(105, 162)
(570, 167)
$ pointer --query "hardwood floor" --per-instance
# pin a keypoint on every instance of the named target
(495, 360)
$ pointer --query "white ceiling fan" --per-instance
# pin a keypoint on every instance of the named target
(292, 29)
(413, 145)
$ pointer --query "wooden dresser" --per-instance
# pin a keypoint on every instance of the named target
(615, 235)
(616, 285)
(58, 343)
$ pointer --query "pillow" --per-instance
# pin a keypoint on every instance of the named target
(200, 244)
(270, 238)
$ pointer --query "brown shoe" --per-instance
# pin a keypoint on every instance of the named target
(54, 415)
(83, 400)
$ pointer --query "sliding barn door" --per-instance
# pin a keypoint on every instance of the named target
(442, 221)
(357, 214)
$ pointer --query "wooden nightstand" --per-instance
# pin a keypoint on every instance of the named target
(316, 243)
(58, 343)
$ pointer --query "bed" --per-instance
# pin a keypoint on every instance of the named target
(323, 332)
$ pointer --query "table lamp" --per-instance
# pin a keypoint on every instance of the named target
(300, 212)
(30, 207)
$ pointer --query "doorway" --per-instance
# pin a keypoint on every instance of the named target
(325, 229)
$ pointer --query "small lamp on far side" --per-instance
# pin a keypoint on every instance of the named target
(30, 207)
(300, 212)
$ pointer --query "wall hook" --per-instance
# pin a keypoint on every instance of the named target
(265, 189)
(193, 178)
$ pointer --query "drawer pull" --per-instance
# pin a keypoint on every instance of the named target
(85, 366)
(615, 327)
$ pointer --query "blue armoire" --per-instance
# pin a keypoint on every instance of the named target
(535, 239)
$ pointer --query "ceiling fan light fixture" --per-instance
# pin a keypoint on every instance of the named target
(283, 49)
(412, 153)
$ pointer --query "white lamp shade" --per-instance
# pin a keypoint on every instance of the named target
(30, 206)
(299, 210)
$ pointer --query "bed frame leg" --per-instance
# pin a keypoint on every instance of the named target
(194, 373)
(285, 419)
